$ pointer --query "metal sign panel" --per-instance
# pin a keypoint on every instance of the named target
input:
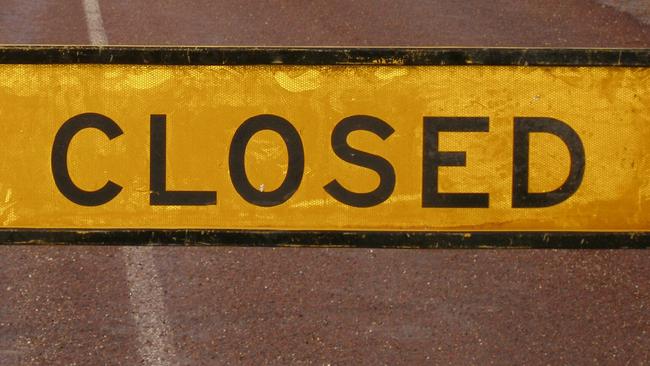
(376, 149)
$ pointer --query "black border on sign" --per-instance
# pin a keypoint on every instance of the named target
(319, 238)
(138, 55)
(196, 55)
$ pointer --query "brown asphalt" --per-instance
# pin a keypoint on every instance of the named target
(70, 305)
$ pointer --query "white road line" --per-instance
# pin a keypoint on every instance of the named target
(95, 24)
(146, 295)
(145, 291)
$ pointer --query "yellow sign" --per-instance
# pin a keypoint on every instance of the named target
(417, 148)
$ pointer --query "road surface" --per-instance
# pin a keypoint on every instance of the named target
(75, 305)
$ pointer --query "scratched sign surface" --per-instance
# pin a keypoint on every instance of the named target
(416, 148)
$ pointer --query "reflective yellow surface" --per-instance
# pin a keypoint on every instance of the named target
(609, 108)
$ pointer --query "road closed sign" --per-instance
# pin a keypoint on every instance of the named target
(422, 148)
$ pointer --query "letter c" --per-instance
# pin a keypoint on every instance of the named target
(60, 159)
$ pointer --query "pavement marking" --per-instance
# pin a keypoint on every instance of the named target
(145, 291)
(146, 295)
(95, 24)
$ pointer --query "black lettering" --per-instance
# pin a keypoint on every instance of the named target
(159, 194)
(237, 154)
(60, 159)
(361, 158)
(432, 159)
(523, 127)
